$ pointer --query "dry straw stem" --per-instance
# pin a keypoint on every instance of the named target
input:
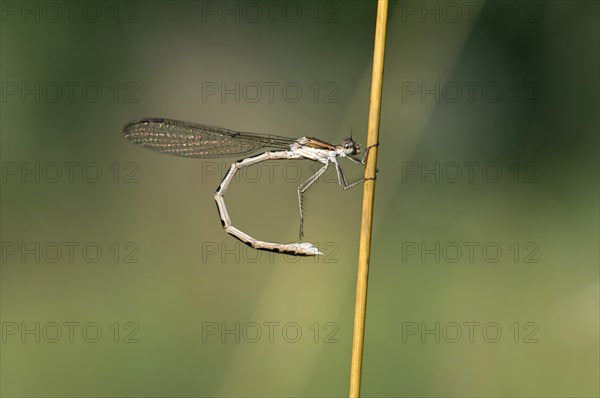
(368, 198)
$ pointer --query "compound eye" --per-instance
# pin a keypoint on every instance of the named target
(349, 146)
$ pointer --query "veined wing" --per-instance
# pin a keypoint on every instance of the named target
(193, 140)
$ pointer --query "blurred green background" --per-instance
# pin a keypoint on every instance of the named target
(481, 284)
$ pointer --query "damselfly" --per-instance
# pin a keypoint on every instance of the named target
(193, 140)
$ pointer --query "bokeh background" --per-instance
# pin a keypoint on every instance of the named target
(116, 276)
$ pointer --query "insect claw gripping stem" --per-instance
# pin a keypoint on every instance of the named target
(364, 161)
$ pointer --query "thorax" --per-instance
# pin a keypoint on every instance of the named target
(315, 149)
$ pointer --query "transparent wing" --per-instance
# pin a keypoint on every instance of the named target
(193, 140)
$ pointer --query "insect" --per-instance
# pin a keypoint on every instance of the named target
(194, 140)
